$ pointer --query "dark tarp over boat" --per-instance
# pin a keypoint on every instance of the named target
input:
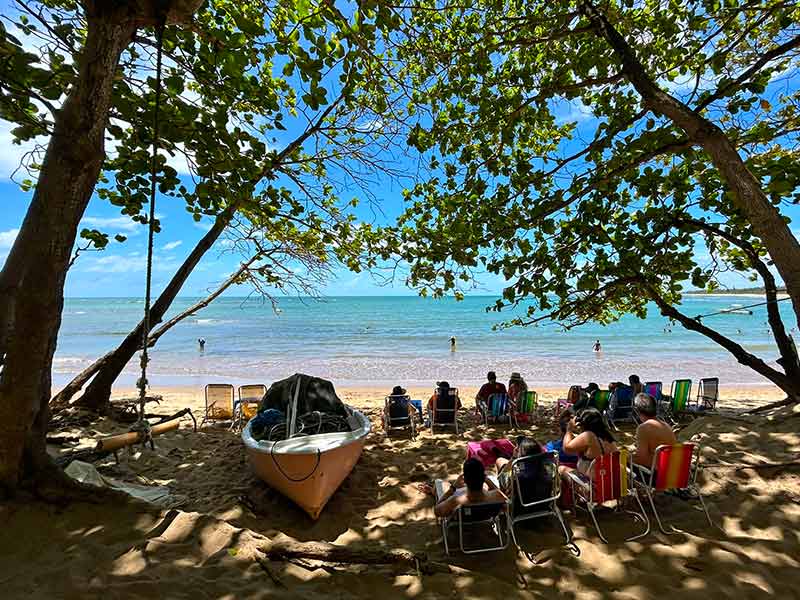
(315, 394)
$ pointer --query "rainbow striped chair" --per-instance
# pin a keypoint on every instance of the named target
(526, 408)
(497, 407)
(674, 467)
(676, 403)
(610, 478)
(653, 388)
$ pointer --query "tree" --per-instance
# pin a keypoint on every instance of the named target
(591, 219)
(227, 58)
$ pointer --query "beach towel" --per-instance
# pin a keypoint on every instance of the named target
(487, 451)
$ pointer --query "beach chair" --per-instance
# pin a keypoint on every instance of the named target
(573, 395)
(610, 478)
(444, 412)
(246, 406)
(674, 405)
(219, 402)
(525, 409)
(536, 487)
(674, 468)
(620, 407)
(600, 400)
(397, 416)
(654, 389)
(707, 395)
(490, 516)
(497, 407)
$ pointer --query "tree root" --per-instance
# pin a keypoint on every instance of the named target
(771, 405)
(331, 553)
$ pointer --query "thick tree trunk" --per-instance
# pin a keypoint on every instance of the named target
(32, 279)
(37, 264)
(766, 220)
(97, 394)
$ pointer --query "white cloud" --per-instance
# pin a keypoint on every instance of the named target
(119, 223)
(172, 245)
(204, 225)
(7, 238)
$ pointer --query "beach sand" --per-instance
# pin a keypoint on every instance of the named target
(208, 546)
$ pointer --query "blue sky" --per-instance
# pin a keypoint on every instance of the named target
(119, 270)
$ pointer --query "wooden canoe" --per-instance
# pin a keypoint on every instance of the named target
(308, 469)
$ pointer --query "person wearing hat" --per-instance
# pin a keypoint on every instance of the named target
(400, 396)
(516, 387)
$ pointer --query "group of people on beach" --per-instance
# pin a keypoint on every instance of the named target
(585, 436)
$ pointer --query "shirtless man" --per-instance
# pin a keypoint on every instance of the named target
(474, 477)
(652, 433)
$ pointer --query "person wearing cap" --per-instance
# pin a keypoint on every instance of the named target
(516, 387)
(492, 386)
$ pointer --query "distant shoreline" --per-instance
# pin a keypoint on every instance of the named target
(734, 294)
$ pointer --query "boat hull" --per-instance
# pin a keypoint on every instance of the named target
(307, 470)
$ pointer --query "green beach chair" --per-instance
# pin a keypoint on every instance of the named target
(600, 400)
(676, 403)
(526, 408)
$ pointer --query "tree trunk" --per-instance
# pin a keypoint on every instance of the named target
(32, 279)
(766, 220)
(788, 384)
(37, 264)
(98, 393)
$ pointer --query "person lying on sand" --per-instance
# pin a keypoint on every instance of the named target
(479, 489)
(588, 437)
(651, 433)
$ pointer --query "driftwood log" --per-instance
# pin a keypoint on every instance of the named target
(331, 553)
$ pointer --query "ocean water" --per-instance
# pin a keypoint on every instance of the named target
(360, 341)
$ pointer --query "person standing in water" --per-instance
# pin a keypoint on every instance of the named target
(597, 346)
(453, 344)
(202, 344)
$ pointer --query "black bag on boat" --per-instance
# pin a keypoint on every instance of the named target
(314, 394)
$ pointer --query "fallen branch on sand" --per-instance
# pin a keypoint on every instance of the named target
(286, 551)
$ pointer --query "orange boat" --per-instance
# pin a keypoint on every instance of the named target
(308, 469)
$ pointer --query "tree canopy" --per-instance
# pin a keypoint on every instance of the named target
(588, 154)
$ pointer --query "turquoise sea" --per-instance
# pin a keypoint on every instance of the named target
(386, 340)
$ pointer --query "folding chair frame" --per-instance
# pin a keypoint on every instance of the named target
(436, 410)
(532, 413)
(487, 407)
(549, 505)
(613, 405)
(649, 487)
(667, 404)
(387, 417)
(587, 487)
(231, 406)
(705, 402)
(238, 405)
(457, 519)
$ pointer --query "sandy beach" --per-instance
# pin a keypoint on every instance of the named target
(208, 545)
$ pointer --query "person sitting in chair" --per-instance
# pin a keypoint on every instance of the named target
(526, 446)
(564, 458)
(479, 489)
(635, 384)
(516, 387)
(588, 437)
(652, 433)
(487, 389)
(442, 391)
(399, 398)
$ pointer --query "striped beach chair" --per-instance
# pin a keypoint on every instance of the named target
(675, 404)
(674, 467)
(526, 408)
(610, 478)
(219, 402)
(653, 388)
(497, 407)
